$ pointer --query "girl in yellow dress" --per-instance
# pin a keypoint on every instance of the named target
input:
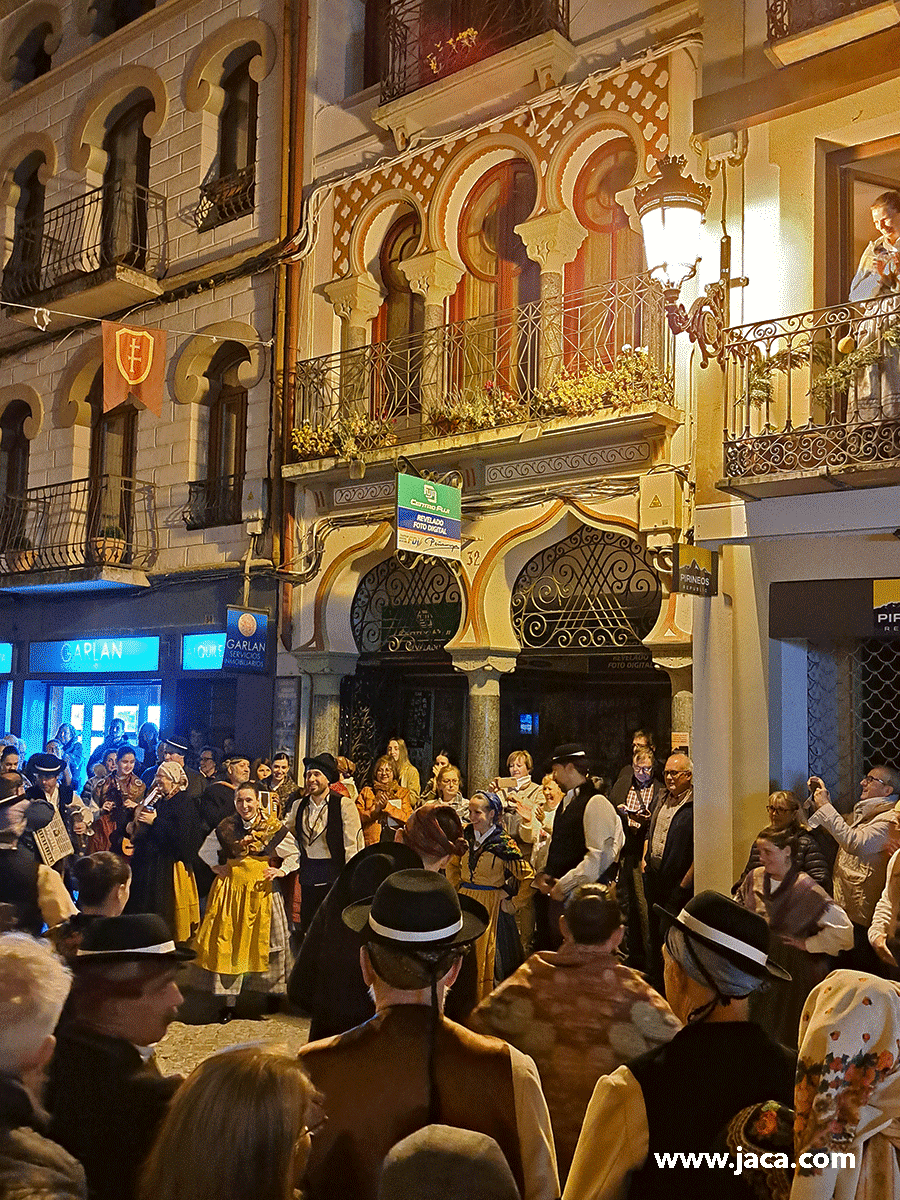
(244, 934)
(493, 872)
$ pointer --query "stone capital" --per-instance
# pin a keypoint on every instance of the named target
(669, 641)
(434, 275)
(484, 668)
(356, 299)
(552, 239)
(326, 669)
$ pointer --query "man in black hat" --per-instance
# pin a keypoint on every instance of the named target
(106, 1094)
(328, 831)
(586, 843)
(31, 894)
(409, 1066)
(680, 1097)
(175, 749)
(48, 796)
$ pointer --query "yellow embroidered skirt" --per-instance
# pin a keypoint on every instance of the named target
(234, 936)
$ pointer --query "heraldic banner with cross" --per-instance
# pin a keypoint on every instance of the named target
(134, 364)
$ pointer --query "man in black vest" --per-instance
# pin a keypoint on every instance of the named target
(587, 839)
(680, 1097)
(325, 823)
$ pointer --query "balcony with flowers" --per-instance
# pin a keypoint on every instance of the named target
(590, 369)
(813, 400)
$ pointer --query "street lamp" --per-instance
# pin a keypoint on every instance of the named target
(671, 209)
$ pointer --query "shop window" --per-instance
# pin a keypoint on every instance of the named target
(14, 449)
(22, 271)
(231, 193)
(216, 499)
(125, 186)
(498, 345)
(31, 59)
(854, 177)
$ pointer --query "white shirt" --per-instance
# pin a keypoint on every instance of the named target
(603, 836)
(316, 821)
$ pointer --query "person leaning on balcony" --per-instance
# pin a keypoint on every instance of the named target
(877, 394)
(861, 864)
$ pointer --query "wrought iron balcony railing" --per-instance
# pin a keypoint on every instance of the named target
(226, 199)
(213, 502)
(815, 392)
(118, 224)
(104, 521)
(431, 39)
(795, 16)
(563, 357)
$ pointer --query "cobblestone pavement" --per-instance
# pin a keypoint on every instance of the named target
(184, 1046)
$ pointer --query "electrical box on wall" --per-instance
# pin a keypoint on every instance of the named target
(659, 502)
(253, 500)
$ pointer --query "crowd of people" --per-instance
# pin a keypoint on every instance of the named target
(505, 992)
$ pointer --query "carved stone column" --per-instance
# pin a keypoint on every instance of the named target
(435, 276)
(552, 239)
(670, 643)
(326, 671)
(484, 670)
(356, 300)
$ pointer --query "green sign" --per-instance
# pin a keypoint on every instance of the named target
(428, 517)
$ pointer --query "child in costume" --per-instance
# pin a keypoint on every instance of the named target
(244, 934)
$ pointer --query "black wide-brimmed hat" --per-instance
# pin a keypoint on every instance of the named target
(417, 910)
(178, 744)
(46, 764)
(135, 937)
(740, 936)
(570, 752)
(326, 763)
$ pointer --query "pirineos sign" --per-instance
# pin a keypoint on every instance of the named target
(429, 517)
(695, 571)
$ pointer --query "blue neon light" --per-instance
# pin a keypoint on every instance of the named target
(5, 658)
(202, 651)
(98, 656)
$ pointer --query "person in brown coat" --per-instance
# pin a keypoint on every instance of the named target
(385, 806)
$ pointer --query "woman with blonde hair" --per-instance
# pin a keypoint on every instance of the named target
(783, 809)
(240, 1125)
(408, 776)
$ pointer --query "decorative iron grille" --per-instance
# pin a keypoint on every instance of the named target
(105, 521)
(815, 391)
(118, 224)
(482, 373)
(793, 16)
(594, 590)
(407, 609)
(853, 710)
(226, 199)
(431, 39)
(213, 502)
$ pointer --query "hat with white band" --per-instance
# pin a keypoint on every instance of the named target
(740, 936)
(134, 937)
(416, 910)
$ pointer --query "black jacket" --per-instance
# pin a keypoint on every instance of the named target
(106, 1106)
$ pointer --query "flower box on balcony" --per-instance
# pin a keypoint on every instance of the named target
(107, 549)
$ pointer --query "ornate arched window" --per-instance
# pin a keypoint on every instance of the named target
(230, 193)
(612, 249)
(126, 182)
(112, 488)
(14, 449)
(31, 58)
(406, 609)
(595, 590)
(216, 499)
(22, 271)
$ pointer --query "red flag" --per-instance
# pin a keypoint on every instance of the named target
(134, 364)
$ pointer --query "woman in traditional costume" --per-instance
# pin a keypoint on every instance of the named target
(807, 928)
(244, 934)
(493, 872)
(117, 798)
(166, 834)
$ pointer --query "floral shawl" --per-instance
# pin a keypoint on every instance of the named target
(258, 842)
(847, 1095)
(795, 907)
(501, 845)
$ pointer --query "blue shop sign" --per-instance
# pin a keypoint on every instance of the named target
(100, 656)
(5, 658)
(246, 636)
(202, 651)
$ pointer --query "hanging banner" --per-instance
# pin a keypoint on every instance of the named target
(695, 571)
(246, 638)
(134, 364)
(429, 517)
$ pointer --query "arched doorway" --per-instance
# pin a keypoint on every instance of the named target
(580, 609)
(403, 613)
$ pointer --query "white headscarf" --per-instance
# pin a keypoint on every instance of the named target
(174, 772)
